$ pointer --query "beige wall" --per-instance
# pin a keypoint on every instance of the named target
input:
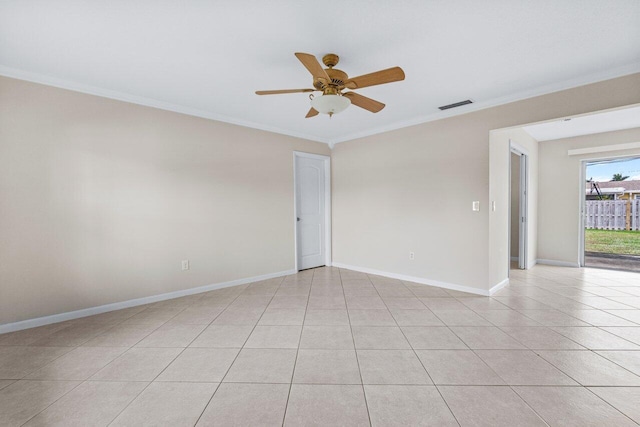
(559, 200)
(411, 189)
(100, 200)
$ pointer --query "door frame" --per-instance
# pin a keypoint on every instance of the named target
(583, 199)
(523, 214)
(327, 204)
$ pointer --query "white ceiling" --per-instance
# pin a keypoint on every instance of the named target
(208, 57)
(626, 118)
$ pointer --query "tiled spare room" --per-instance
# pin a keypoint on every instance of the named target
(343, 213)
(336, 347)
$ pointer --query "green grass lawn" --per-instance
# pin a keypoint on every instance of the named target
(613, 242)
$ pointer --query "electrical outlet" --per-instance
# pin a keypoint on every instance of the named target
(185, 264)
(412, 256)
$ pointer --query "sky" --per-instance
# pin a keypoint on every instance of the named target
(605, 171)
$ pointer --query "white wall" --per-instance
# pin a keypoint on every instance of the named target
(561, 190)
(100, 200)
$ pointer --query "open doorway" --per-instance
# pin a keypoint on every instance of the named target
(518, 206)
(611, 213)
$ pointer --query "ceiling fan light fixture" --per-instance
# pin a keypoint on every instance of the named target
(330, 104)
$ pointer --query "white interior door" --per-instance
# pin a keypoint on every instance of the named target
(310, 212)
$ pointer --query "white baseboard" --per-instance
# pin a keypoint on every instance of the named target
(499, 286)
(557, 263)
(55, 318)
(436, 283)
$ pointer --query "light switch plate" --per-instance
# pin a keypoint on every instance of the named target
(476, 206)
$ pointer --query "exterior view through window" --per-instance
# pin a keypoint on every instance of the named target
(612, 214)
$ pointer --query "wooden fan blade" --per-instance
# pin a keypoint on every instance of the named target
(364, 102)
(277, 92)
(379, 77)
(311, 63)
(312, 112)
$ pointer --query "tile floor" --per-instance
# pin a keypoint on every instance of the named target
(559, 346)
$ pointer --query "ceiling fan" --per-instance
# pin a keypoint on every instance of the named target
(331, 82)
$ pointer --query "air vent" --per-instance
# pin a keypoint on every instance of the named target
(457, 104)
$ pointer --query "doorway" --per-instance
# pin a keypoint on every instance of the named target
(610, 213)
(518, 206)
(312, 210)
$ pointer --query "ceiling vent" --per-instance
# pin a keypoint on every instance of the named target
(457, 104)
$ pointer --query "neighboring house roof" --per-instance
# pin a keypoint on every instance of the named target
(619, 186)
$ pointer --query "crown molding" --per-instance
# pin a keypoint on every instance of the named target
(519, 96)
(162, 105)
(147, 102)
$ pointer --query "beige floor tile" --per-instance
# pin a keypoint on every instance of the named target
(246, 405)
(391, 367)
(624, 399)
(327, 337)
(360, 291)
(416, 318)
(6, 383)
(425, 291)
(629, 360)
(397, 405)
(167, 404)
(457, 367)
(16, 362)
(78, 364)
(603, 303)
(443, 304)
(138, 364)
(403, 303)
(371, 318)
(200, 365)
(238, 316)
(172, 335)
(299, 302)
(379, 338)
(326, 302)
(250, 302)
(23, 399)
(92, 403)
(628, 333)
(595, 338)
(197, 315)
(461, 318)
(365, 303)
(486, 338)
(326, 405)
(262, 366)
(523, 367)
(522, 303)
(274, 337)
(483, 303)
(507, 318)
(151, 316)
(571, 406)
(121, 336)
(600, 318)
(29, 336)
(327, 367)
(553, 318)
(590, 369)
(282, 317)
(223, 336)
(541, 338)
(630, 315)
(489, 406)
(432, 338)
(326, 318)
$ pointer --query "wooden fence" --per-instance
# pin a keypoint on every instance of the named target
(613, 214)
